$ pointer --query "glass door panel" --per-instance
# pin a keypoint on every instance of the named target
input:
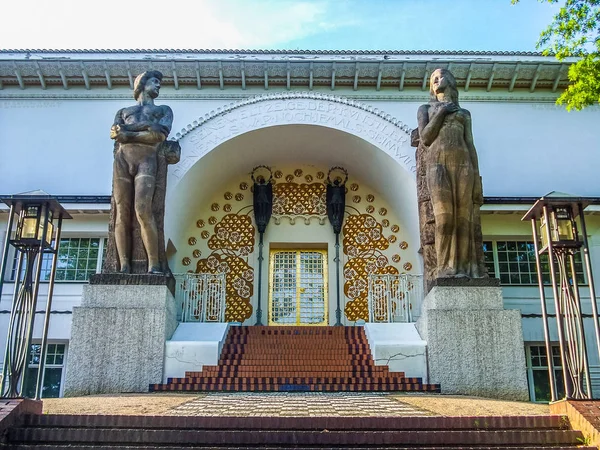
(298, 287)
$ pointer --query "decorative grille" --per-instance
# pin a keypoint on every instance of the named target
(298, 287)
(200, 297)
(395, 297)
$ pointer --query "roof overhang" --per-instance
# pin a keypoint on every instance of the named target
(507, 71)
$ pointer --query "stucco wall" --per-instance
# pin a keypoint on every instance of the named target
(521, 146)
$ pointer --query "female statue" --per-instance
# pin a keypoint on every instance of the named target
(452, 178)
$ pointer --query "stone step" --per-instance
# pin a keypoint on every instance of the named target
(274, 365)
(316, 359)
(275, 447)
(294, 387)
(301, 423)
(303, 379)
(46, 431)
(260, 437)
(353, 359)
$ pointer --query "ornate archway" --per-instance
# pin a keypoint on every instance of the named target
(295, 108)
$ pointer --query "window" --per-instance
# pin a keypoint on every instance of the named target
(78, 258)
(537, 372)
(513, 262)
(53, 370)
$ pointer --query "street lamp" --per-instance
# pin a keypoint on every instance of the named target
(262, 190)
(34, 234)
(558, 233)
(336, 204)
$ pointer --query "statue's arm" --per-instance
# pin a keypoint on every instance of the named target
(478, 188)
(117, 127)
(429, 129)
(154, 133)
(142, 132)
(166, 121)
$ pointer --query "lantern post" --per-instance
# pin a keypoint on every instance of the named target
(34, 227)
(556, 238)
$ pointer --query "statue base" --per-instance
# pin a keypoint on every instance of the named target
(135, 279)
(118, 338)
(474, 346)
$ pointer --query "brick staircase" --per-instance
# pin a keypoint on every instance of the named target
(52, 432)
(328, 359)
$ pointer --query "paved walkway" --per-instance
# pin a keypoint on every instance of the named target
(296, 404)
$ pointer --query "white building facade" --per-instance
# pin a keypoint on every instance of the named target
(300, 113)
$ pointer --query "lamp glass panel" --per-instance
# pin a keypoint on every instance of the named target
(49, 233)
(565, 230)
(29, 229)
(564, 224)
(543, 231)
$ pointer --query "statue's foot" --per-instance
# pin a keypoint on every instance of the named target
(125, 268)
(155, 270)
(461, 275)
(446, 273)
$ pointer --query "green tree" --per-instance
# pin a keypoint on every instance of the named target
(575, 32)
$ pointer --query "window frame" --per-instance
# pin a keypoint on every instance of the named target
(533, 275)
(102, 247)
(530, 368)
(63, 366)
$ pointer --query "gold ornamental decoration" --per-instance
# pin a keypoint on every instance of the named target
(239, 283)
(305, 199)
(228, 240)
(363, 244)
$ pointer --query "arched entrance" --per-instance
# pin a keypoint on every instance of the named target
(295, 134)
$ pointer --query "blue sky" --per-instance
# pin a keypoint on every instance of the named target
(276, 24)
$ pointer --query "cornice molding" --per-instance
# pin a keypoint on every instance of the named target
(283, 52)
(61, 95)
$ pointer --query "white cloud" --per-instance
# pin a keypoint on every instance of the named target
(153, 24)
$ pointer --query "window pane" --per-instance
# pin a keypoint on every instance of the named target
(52, 378)
(30, 382)
(541, 385)
(77, 259)
(516, 263)
(34, 354)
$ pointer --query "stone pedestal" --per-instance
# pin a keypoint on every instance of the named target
(474, 346)
(118, 338)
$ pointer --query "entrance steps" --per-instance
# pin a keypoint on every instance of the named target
(46, 432)
(302, 358)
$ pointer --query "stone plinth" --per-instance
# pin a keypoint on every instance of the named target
(118, 339)
(474, 346)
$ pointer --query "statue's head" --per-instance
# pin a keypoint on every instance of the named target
(442, 80)
(150, 81)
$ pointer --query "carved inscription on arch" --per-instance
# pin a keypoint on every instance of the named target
(374, 127)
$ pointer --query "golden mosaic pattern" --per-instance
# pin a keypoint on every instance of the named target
(367, 249)
(299, 198)
(229, 238)
(363, 244)
(232, 233)
(362, 233)
(239, 283)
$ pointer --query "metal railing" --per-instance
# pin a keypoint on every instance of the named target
(200, 297)
(395, 298)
